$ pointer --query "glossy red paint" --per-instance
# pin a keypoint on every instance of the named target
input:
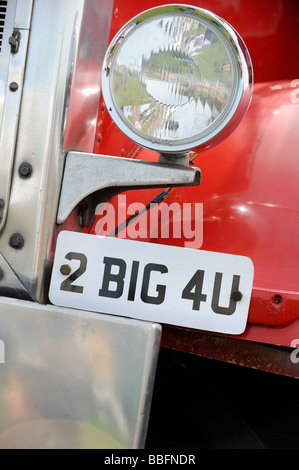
(249, 186)
(85, 86)
(250, 199)
(250, 196)
(269, 29)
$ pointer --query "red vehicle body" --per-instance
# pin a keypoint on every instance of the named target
(249, 187)
(84, 377)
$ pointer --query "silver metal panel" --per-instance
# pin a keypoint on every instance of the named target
(51, 60)
(11, 69)
(10, 119)
(23, 14)
(5, 50)
(74, 379)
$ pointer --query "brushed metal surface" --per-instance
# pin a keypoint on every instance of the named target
(74, 379)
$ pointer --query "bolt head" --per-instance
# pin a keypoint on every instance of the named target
(25, 170)
(16, 241)
(13, 86)
(236, 295)
(65, 269)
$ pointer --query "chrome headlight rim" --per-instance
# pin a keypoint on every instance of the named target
(238, 102)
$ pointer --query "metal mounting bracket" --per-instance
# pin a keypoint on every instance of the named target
(104, 176)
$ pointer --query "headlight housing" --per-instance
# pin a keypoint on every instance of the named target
(177, 78)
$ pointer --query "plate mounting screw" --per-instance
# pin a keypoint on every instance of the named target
(65, 269)
(236, 295)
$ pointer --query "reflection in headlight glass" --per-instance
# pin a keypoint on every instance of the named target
(172, 78)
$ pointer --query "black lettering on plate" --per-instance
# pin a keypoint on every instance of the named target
(145, 297)
(67, 285)
(133, 280)
(193, 290)
(216, 295)
(108, 277)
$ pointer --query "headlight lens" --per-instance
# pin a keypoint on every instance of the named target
(177, 78)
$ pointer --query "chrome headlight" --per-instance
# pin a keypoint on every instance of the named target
(177, 78)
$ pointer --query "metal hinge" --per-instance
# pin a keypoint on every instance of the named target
(14, 41)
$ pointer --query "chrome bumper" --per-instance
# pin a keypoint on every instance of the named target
(74, 379)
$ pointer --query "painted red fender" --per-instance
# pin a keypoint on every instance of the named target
(250, 196)
(249, 188)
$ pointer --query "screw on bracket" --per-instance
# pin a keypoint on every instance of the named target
(14, 41)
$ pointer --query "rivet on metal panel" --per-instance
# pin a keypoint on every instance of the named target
(16, 241)
(25, 170)
(13, 86)
(65, 269)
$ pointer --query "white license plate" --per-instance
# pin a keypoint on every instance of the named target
(159, 283)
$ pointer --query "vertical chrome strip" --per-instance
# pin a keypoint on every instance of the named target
(11, 85)
(34, 201)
